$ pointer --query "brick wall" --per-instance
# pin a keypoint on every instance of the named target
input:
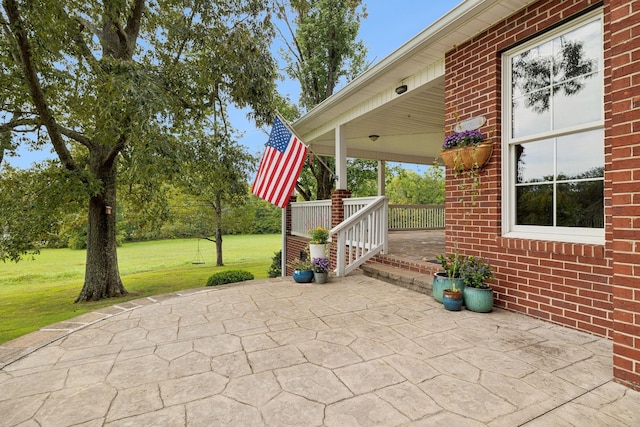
(569, 284)
(594, 288)
(623, 143)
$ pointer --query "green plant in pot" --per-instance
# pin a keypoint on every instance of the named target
(450, 278)
(478, 295)
(318, 244)
(302, 270)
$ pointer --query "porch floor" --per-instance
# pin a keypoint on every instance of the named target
(418, 245)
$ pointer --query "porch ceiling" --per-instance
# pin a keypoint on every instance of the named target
(410, 125)
(410, 128)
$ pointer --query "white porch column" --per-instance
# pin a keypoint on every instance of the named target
(381, 177)
(341, 157)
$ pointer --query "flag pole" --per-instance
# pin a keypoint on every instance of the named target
(290, 127)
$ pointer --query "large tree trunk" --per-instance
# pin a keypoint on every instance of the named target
(102, 277)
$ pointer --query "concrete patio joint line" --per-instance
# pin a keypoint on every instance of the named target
(565, 403)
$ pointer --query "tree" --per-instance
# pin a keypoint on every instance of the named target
(217, 173)
(34, 206)
(408, 187)
(320, 51)
(96, 80)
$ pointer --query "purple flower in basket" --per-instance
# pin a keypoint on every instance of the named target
(320, 265)
(463, 139)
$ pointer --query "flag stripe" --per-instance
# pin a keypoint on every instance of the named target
(280, 166)
(289, 176)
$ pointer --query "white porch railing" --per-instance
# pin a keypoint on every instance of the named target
(364, 232)
(416, 217)
(362, 235)
(352, 206)
(308, 215)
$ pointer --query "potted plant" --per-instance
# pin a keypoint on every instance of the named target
(302, 270)
(478, 295)
(320, 269)
(318, 243)
(466, 150)
(450, 278)
(452, 298)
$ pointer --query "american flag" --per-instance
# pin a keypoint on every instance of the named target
(280, 165)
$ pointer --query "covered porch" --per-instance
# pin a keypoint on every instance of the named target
(368, 229)
(393, 112)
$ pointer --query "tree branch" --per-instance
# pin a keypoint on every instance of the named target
(76, 136)
(133, 24)
(31, 76)
(116, 149)
(14, 123)
(85, 52)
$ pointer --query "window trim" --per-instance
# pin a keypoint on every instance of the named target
(508, 206)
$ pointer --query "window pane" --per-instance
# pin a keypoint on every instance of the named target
(581, 204)
(534, 204)
(531, 113)
(531, 70)
(578, 52)
(581, 155)
(577, 101)
(534, 161)
(571, 63)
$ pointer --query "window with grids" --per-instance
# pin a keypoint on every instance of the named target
(553, 135)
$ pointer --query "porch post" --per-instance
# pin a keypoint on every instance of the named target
(286, 234)
(341, 157)
(381, 173)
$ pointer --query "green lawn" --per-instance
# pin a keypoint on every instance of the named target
(40, 291)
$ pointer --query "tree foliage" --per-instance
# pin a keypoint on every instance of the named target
(321, 50)
(118, 84)
(217, 170)
(408, 187)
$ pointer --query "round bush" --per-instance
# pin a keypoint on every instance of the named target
(229, 276)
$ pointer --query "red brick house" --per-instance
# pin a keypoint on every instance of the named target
(556, 84)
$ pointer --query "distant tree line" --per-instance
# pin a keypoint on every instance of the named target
(182, 215)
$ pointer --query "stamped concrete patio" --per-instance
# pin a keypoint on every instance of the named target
(356, 351)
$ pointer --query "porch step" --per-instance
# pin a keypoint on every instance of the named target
(416, 281)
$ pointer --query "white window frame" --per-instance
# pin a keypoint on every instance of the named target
(509, 227)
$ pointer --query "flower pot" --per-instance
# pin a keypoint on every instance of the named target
(442, 282)
(317, 251)
(303, 276)
(320, 278)
(479, 300)
(469, 157)
(452, 300)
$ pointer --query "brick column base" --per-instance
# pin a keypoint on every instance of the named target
(337, 216)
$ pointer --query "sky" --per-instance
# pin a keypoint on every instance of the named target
(388, 26)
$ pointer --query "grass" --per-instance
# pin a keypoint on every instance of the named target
(40, 291)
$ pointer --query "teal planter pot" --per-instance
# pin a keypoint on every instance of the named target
(452, 300)
(442, 282)
(303, 276)
(478, 299)
(320, 278)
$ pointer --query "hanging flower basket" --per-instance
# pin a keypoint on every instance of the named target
(467, 157)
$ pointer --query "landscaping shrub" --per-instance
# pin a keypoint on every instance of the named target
(229, 276)
(276, 265)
